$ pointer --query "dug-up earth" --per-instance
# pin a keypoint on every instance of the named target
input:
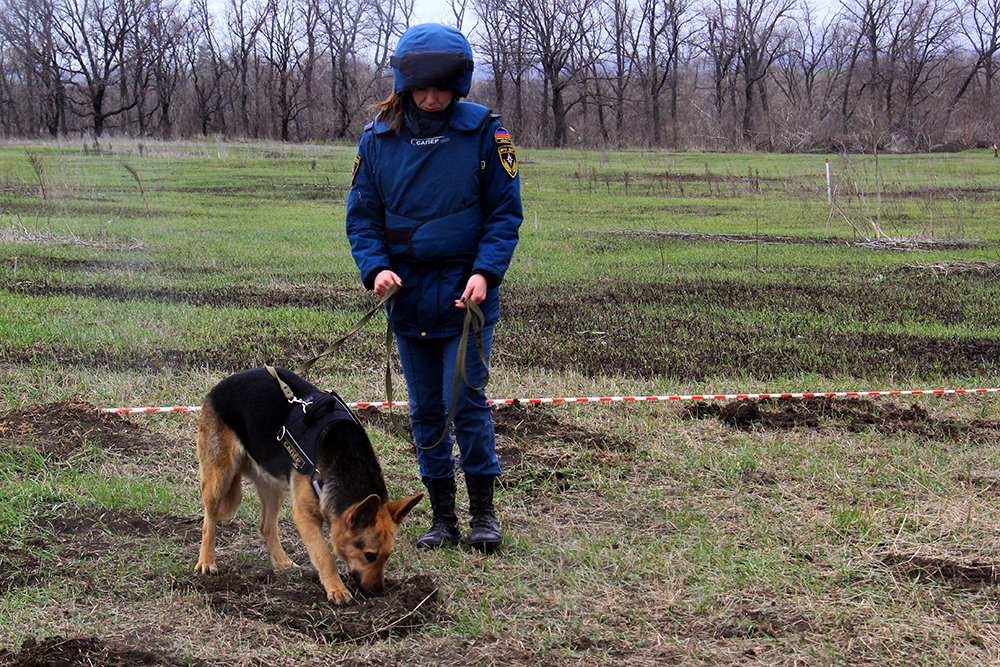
(255, 592)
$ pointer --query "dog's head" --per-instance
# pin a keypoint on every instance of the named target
(364, 537)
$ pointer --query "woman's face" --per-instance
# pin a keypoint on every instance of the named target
(432, 99)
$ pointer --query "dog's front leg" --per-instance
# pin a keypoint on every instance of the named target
(309, 522)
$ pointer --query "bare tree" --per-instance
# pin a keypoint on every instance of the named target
(282, 48)
(244, 20)
(808, 75)
(555, 30)
(721, 46)
(925, 49)
(343, 21)
(166, 26)
(979, 23)
(502, 42)
(28, 30)
(762, 30)
(94, 36)
(388, 22)
(664, 28)
(458, 10)
(623, 36)
(311, 16)
(872, 22)
(207, 68)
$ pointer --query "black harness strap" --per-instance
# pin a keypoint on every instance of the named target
(318, 410)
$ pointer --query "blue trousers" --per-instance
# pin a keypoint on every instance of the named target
(429, 368)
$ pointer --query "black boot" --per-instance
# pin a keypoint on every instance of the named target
(485, 528)
(444, 524)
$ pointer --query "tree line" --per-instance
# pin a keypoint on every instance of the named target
(707, 74)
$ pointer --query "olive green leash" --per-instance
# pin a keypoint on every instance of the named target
(474, 321)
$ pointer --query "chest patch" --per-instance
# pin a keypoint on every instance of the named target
(426, 141)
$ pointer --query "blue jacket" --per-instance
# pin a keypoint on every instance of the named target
(436, 210)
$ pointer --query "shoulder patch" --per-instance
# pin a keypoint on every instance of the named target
(354, 169)
(508, 158)
(501, 136)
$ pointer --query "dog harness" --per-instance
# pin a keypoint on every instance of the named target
(300, 433)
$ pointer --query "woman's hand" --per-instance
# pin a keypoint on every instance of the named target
(384, 280)
(475, 289)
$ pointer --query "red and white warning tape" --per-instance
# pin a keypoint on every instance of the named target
(637, 399)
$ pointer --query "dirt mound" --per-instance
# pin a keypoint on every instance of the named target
(518, 421)
(57, 429)
(970, 574)
(297, 600)
(85, 652)
(19, 567)
(852, 414)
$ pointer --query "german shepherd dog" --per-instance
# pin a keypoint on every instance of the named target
(238, 435)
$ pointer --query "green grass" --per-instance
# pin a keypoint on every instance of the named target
(637, 534)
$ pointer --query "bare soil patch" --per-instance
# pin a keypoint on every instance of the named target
(851, 414)
(19, 567)
(85, 652)
(971, 574)
(298, 601)
(57, 429)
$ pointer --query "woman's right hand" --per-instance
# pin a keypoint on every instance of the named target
(384, 280)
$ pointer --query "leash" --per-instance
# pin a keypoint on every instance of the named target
(474, 321)
(335, 346)
(332, 348)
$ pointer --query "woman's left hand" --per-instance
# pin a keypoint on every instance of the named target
(475, 289)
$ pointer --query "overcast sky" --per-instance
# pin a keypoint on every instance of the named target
(432, 11)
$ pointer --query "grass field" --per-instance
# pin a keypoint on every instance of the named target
(828, 531)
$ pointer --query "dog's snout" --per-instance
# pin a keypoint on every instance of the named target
(370, 583)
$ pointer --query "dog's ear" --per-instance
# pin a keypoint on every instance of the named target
(398, 509)
(366, 511)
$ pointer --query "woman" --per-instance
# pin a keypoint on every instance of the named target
(434, 208)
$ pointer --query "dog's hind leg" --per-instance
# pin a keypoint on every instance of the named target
(220, 458)
(271, 496)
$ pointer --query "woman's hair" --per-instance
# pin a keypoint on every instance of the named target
(390, 110)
